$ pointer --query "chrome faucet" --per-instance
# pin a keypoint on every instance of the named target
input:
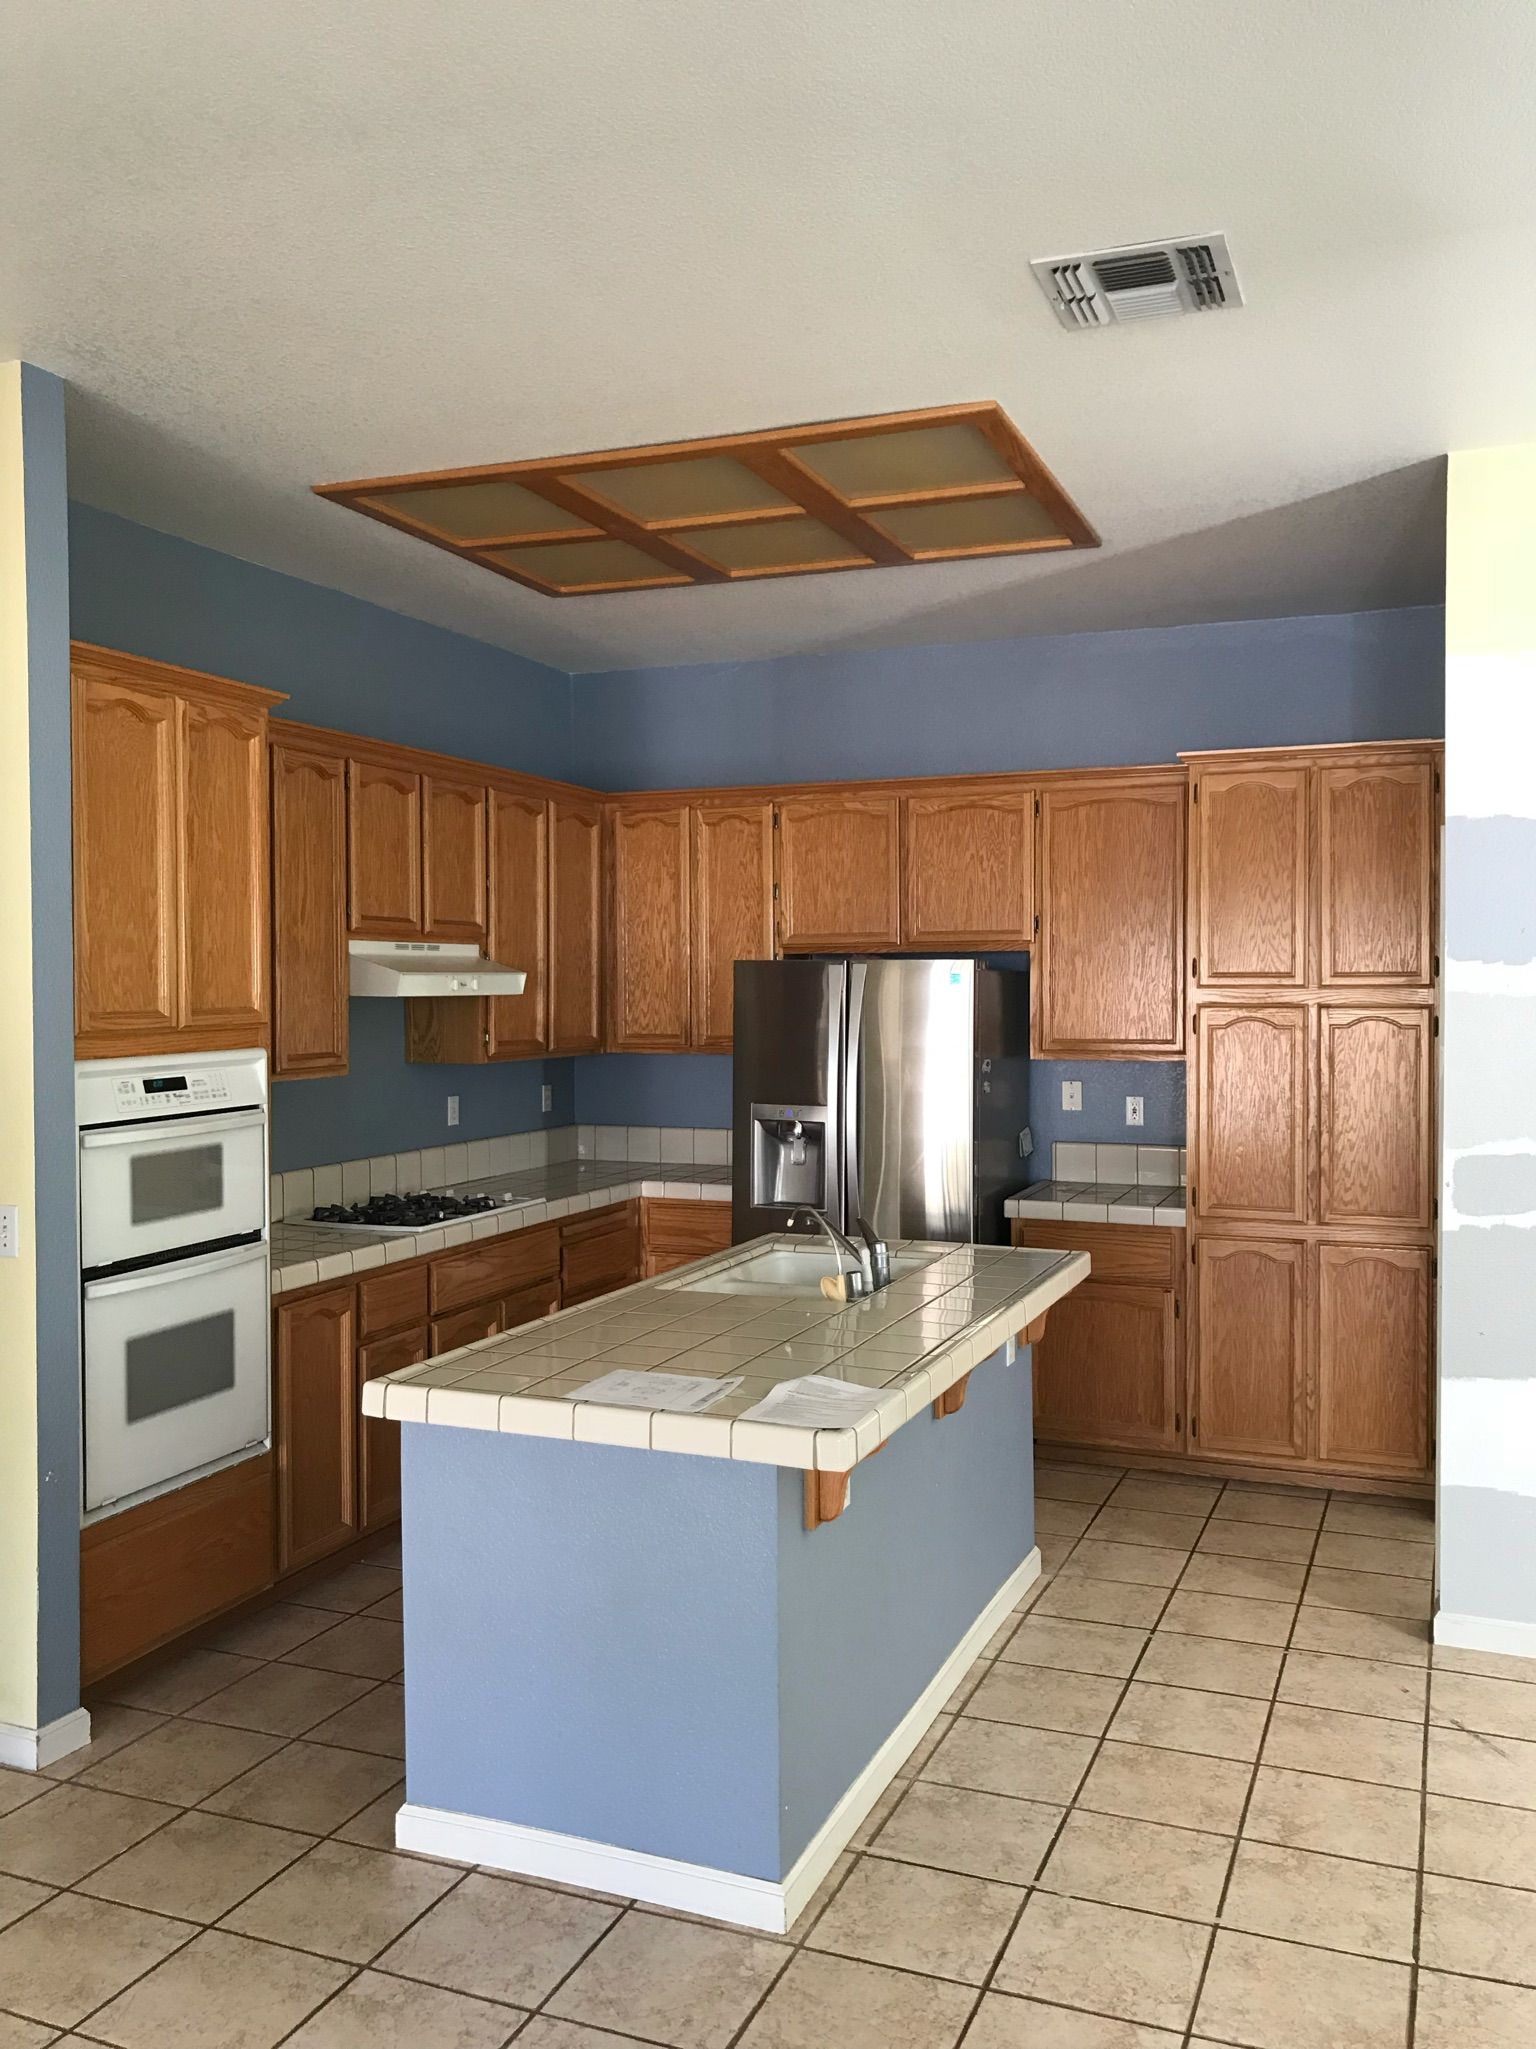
(872, 1260)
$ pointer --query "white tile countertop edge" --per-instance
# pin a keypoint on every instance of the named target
(1098, 1202)
(908, 1344)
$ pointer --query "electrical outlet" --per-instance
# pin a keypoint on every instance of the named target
(547, 1097)
(10, 1231)
(1071, 1095)
(453, 1109)
(1010, 1351)
(1135, 1110)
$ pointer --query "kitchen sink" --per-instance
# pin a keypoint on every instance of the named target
(787, 1270)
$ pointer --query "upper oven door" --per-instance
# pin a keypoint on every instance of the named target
(158, 1187)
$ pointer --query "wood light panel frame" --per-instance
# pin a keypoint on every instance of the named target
(946, 484)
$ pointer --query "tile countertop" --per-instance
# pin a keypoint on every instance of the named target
(1098, 1202)
(907, 1345)
(304, 1253)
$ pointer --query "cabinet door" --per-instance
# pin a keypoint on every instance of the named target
(1376, 850)
(453, 859)
(465, 1327)
(839, 873)
(528, 1305)
(1374, 1112)
(1373, 1336)
(126, 917)
(224, 869)
(599, 1254)
(732, 910)
(519, 908)
(316, 1399)
(575, 928)
(1109, 958)
(309, 913)
(1106, 1370)
(1251, 1114)
(383, 851)
(1250, 877)
(1248, 1385)
(378, 1467)
(967, 867)
(648, 1001)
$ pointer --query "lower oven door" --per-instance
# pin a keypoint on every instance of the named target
(176, 1372)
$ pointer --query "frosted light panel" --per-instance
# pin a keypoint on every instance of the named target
(773, 544)
(661, 491)
(481, 512)
(968, 523)
(578, 565)
(921, 459)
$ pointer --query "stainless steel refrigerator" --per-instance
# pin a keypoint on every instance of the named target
(896, 1090)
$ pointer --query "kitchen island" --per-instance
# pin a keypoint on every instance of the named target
(671, 1635)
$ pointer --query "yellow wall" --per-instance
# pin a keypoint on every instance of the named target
(1490, 566)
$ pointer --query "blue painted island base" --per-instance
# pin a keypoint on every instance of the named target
(639, 1672)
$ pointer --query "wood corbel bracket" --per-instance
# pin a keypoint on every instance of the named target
(952, 1401)
(826, 1496)
(1032, 1333)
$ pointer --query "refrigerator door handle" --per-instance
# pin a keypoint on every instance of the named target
(853, 1106)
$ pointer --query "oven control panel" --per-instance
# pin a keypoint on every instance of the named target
(167, 1091)
(182, 1085)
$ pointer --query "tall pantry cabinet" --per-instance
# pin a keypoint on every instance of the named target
(1312, 991)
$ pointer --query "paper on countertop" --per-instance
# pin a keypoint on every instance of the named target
(684, 1393)
(813, 1402)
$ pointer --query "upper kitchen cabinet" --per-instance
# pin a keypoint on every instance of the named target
(519, 913)
(839, 873)
(1376, 839)
(1248, 873)
(967, 862)
(170, 857)
(383, 850)
(649, 1008)
(732, 907)
(453, 859)
(1109, 953)
(309, 910)
(576, 926)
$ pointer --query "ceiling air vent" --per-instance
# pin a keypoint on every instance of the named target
(1148, 282)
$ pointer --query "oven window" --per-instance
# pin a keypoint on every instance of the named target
(181, 1183)
(167, 1369)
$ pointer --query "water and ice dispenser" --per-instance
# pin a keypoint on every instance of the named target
(790, 1147)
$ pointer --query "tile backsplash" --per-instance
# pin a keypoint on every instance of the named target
(1125, 1166)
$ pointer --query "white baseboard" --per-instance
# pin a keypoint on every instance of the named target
(32, 1750)
(773, 1905)
(1481, 1633)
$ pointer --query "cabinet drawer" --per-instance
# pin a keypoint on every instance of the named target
(688, 1229)
(1142, 1253)
(599, 1253)
(386, 1301)
(466, 1327)
(529, 1305)
(494, 1266)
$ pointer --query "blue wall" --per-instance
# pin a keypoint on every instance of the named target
(654, 1088)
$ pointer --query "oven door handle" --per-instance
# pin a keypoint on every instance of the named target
(193, 1127)
(174, 1270)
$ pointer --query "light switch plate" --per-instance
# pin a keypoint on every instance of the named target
(1071, 1095)
(547, 1097)
(453, 1109)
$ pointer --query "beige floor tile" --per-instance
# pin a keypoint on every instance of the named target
(1469, 1839)
(1136, 1564)
(1368, 1593)
(1164, 1494)
(1092, 1647)
(1288, 1508)
(1483, 1931)
(1062, 1518)
(1229, 1615)
(349, 1591)
(17, 1788)
(1143, 1526)
(198, 1867)
(73, 1829)
(19, 1896)
(390, 1609)
(1054, 1552)
(362, 1645)
(1497, 1707)
(1075, 1483)
(387, 1552)
(1004, 2022)
(830, 2000)
(1078, 1598)
(1262, 1579)
(281, 1700)
(918, 1920)
(1125, 1863)
(1212, 1665)
(1183, 1718)
(879, 1814)
(1167, 1785)
(1341, 1817)
(374, 1827)
(1466, 2013)
(672, 1981)
(1395, 1639)
(545, 2032)
(1280, 1996)
(1468, 1766)
(182, 1762)
(1330, 1902)
(1137, 1967)
(1280, 1541)
(982, 1835)
(274, 1631)
(219, 1989)
(1360, 1516)
(113, 1728)
(1004, 1757)
(1395, 1555)
(498, 1939)
(927, 1744)
(308, 1786)
(175, 1684)
(970, 1679)
(1046, 1698)
(1485, 1664)
(1357, 1686)
(817, 1904)
(343, 1901)
(375, 1723)
(15, 2033)
(1344, 1746)
(61, 1962)
(377, 2012)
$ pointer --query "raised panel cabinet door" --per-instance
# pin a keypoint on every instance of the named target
(126, 913)
(378, 1463)
(309, 913)
(732, 911)
(1376, 852)
(465, 1327)
(1250, 876)
(530, 1305)
(1109, 956)
(383, 851)
(1374, 1096)
(519, 933)
(576, 927)
(316, 1426)
(224, 868)
(648, 999)
(968, 870)
(839, 872)
(1248, 1382)
(1373, 1334)
(1250, 1114)
(1106, 1370)
(453, 862)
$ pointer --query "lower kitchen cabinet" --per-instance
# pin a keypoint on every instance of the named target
(599, 1253)
(315, 1423)
(378, 1464)
(466, 1327)
(1248, 1387)
(676, 1232)
(1373, 1357)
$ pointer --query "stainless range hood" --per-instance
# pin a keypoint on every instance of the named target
(415, 967)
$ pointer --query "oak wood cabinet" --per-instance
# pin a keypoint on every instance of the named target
(519, 914)
(650, 986)
(839, 873)
(1373, 1357)
(1252, 1136)
(383, 850)
(676, 1232)
(1248, 1388)
(1109, 956)
(315, 1398)
(599, 1253)
(224, 828)
(967, 863)
(1376, 839)
(453, 859)
(378, 1463)
(1249, 831)
(1375, 1070)
(732, 911)
(576, 927)
(309, 911)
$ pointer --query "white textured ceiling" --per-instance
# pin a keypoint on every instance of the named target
(279, 243)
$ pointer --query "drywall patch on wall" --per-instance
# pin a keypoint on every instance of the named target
(1493, 1036)
(1498, 1185)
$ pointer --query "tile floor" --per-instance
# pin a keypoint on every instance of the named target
(1208, 1787)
